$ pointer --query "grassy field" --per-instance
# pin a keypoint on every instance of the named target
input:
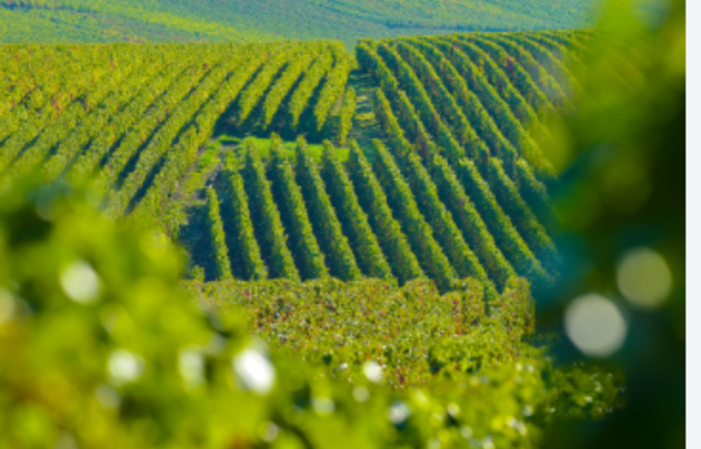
(265, 20)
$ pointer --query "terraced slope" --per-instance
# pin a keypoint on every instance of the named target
(450, 183)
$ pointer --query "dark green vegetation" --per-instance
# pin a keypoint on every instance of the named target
(73, 21)
(450, 184)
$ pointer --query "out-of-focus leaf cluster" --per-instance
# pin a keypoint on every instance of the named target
(622, 195)
(102, 347)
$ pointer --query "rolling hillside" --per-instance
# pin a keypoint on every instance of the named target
(73, 21)
(448, 181)
(335, 224)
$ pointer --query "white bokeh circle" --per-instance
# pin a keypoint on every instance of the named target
(595, 325)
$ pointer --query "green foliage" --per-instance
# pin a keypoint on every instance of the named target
(145, 100)
(41, 106)
(346, 115)
(143, 167)
(544, 80)
(500, 225)
(501, 77)
(284, 83)
(419, 337)
(353, 219)
(469, 303)
(339, 257)
(150, 139)
(21, 155)
(413, 332)
(97, 331)
(457, 72)
(471, 223)
(516, 309)
(588, 392)
(177, 162)
(82, 298)
(524, 220)
(85, 127)
(305, 90)
(369, 60)
(339, 325)
(239, 228)
(472, 352)
(519, 77)
(373, 200)
(124, 91)
(288, 196)
(413, 127)
(333, 89)
(196, 179)
(508, 126)
(217, 238)
(148, 164)
(425, 108)
(474, 119)
(402, 201)
(552, 64)
(535, 194)
(255, 91)
(635, 86)
(175, 126)
(447, 234)
(443, 100)
(464, 261)
(265, 214)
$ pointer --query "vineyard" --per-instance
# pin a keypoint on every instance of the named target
(250, 157)
(352, 319)
(342, 224)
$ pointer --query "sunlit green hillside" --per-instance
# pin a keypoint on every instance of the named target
(265, 20)
(425, 161)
